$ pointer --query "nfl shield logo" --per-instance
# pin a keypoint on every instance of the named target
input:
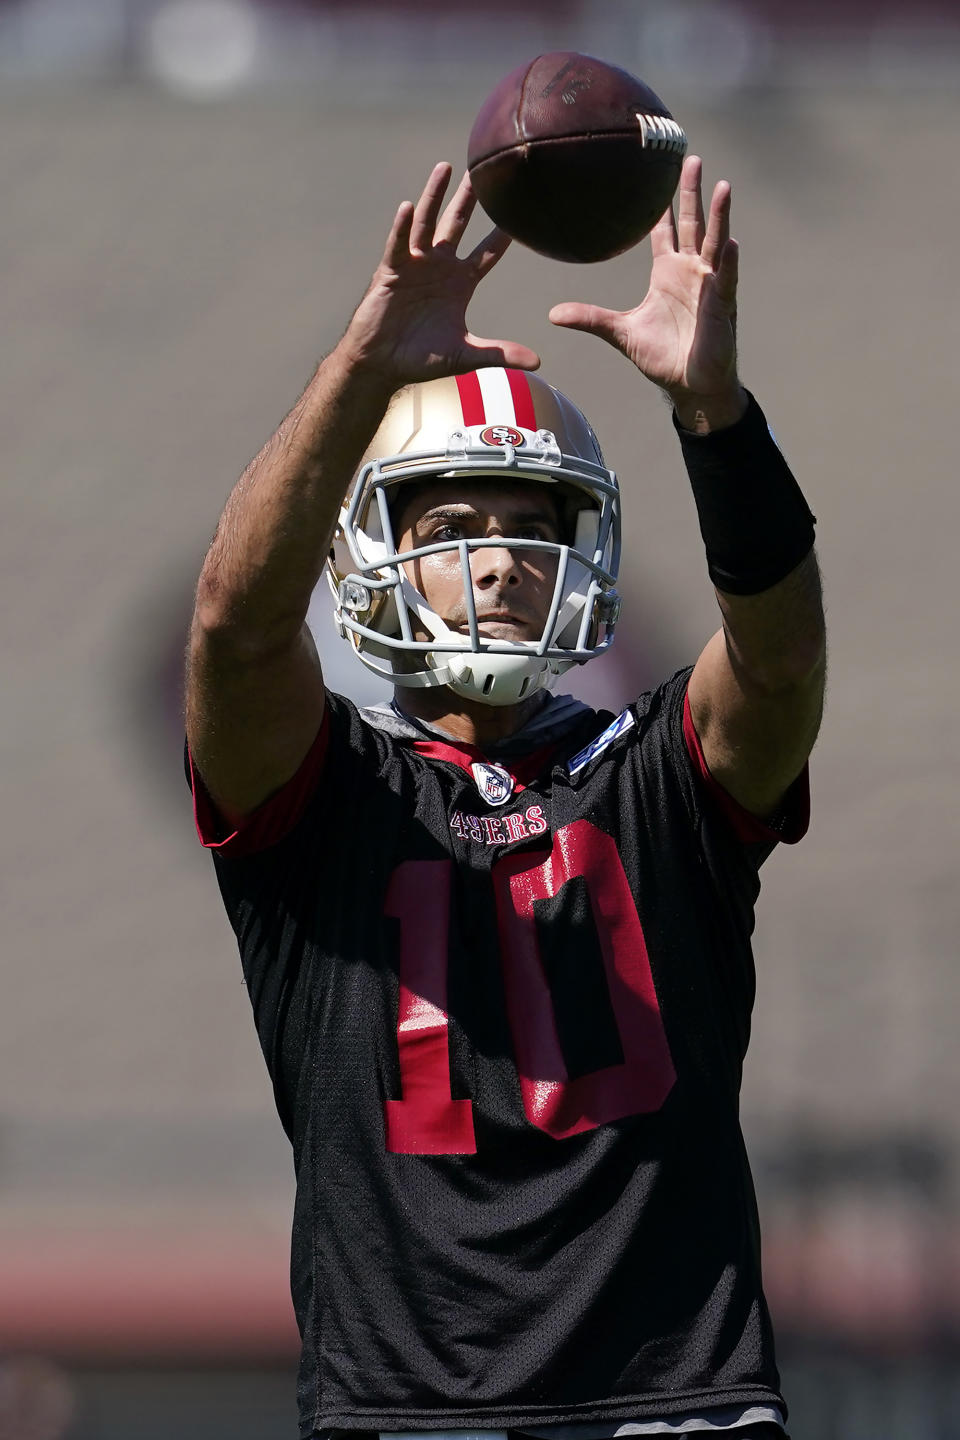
(494, 783)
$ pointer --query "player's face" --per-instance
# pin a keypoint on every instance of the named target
(512, 588)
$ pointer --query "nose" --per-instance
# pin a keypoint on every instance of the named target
(496, 565)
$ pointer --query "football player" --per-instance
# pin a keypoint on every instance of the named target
(498, 944)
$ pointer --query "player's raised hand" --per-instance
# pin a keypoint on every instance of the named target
(683, 335)
(411, 324)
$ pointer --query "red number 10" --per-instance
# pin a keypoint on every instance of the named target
(428, 1121)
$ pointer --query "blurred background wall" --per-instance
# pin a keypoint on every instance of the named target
(194, 195)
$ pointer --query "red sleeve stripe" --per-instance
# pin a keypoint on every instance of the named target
(794, 815)
(471, 399)
(271, 821)
(522, 399)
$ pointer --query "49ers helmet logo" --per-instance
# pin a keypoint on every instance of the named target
(501, 435)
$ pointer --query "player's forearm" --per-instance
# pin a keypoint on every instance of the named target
(274, 534)
(776, 640)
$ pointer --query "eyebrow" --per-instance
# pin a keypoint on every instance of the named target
(464, 511)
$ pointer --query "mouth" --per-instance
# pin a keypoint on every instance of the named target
(498, 624)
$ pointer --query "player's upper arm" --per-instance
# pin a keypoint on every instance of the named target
(253, 713)
(756, 692)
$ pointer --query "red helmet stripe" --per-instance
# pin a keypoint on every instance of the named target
(522, 399)
(471, 399)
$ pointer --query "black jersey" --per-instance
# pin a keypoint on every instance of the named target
(505, 1013)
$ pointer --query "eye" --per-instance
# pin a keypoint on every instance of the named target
(450, 530)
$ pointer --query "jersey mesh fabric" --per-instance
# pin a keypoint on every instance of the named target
(596, 1256)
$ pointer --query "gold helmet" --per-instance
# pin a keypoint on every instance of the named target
(491, 423)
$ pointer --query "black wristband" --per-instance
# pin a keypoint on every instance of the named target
(755, 523)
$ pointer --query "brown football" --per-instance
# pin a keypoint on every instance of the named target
(575, 158)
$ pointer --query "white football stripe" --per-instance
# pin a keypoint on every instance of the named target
(497, 400)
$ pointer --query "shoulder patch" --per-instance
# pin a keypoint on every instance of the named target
(614, 730)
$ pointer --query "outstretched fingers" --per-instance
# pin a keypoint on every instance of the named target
(491, 248)
(690, 221)
(508, 353)
(594, 319)
(718, 225)
(663, 236)
(455, 219)
(427, 210)
(727, 272)
(397, 248)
